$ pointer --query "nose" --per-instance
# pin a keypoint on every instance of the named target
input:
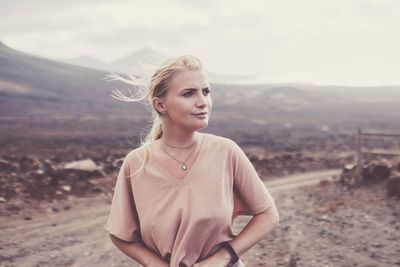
(201, 101)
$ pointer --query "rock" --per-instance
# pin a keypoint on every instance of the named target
(66, 188)
(324, 182)
(323, 218)
(377, 245)
(83, 165)
(12, 207)
(348, 175)
(47, 167)
(54, 209)
(7, 166)
(376, 172)
(96, 190)
(80, 170)
(348, 166)
(28, 163)
(393, 186)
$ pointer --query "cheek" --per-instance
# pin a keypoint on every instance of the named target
(210, 103)
(185, 107)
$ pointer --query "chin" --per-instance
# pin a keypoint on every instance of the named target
(204, 125)
(199, 126)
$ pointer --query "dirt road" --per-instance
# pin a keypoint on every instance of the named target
(73, 235)
(299, 180)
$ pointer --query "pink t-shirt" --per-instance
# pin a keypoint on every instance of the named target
(185, 220)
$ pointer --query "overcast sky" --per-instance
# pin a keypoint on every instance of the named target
(348, 42)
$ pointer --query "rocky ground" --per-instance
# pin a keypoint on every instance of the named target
(325, 225)
(322, 225)
(53, 170)
(52, 209)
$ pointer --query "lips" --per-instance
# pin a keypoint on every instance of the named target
(202, 113)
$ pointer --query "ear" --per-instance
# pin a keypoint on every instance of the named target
(159, 105)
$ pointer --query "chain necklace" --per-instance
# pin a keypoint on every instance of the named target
(183, 163)
(180, 147)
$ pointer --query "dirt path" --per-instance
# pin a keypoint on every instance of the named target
(73, 236)
(299, 180)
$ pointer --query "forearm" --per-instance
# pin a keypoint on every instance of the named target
(257, 228)
(139, 252)
(260, 225)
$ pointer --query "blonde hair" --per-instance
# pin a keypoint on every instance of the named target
(157, 87)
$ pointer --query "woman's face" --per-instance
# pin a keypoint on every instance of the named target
(187, 104)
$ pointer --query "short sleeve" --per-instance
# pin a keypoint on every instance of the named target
(250, 194)
(123, 218)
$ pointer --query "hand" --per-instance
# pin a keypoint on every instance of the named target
(219, 259)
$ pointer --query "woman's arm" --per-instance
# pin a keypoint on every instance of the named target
(259, 226)
(139, 252)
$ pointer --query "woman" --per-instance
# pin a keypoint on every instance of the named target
(176, 195)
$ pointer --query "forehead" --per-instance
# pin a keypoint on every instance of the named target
(189, 79)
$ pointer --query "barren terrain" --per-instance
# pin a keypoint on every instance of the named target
(321, 225)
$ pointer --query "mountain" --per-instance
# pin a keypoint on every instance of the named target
(35, 86)
(89, 62)
(141, 63)
(32, 86)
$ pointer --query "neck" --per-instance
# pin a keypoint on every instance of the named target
(178, 138)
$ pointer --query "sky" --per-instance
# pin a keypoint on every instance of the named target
(341, 42)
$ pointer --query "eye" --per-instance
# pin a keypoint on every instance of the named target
(188, 94)
(206, 91)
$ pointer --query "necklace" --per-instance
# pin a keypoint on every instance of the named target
(183, 163)
(181, 147)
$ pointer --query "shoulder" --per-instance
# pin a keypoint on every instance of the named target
(134, 158)
(218, 142)
(136, 153)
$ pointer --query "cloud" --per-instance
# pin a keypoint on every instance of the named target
(257, 37)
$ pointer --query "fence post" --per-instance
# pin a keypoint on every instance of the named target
(359, 154)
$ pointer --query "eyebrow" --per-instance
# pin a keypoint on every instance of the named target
(190, 89)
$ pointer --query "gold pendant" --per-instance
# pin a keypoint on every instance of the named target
(184, 167)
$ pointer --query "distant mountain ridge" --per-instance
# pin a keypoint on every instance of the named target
(33, 86)
(140, 63)
(87, 61)
(143, 63)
